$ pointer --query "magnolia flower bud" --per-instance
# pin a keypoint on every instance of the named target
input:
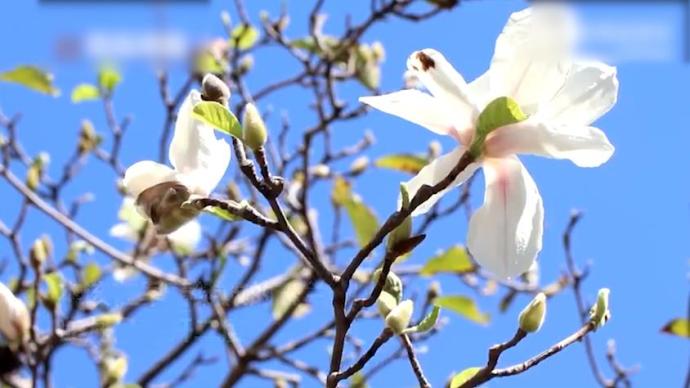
(114, 369)
(88, 138)
(399, 318)
(386, 303)
(253, 128)
(320, 171)
(105, 321)
(214, 89)
(162, 203)
(359, 165)
(393, 284)
(532, 316)
(40, 251)
(14, 318)
(599, 313)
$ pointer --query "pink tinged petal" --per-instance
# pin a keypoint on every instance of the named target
(415, 106)
(195, 152)
(435, 172)
(584, 146)
(142, 175)
(531, 57)
(505, 234)
(445, 83)
(590, 91)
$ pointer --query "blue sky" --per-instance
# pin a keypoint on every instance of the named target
(634, 232)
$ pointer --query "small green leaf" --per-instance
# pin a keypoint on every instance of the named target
(498, 113)
(244, 36)
(454, 260)
(108, 78)
(428, 322)
(85, 92)
(463, 306)
(358, 380)
(462, 377)
(91, 274)
(402, 162)
(56, 287)
(363, 220)
(221, 213)
(679, 327)
(285, 295)
(218, 116)
(31, 77)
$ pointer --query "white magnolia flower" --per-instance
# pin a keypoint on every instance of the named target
(533, 65)
(199, 162)
(183, 240)
(14, 317)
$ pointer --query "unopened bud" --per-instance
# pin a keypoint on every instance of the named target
(114, 369)
(14, 318)
(399, 318)
(225, 18)
(253, 128)
(359, 165)
(214, 89)
(533, 315)
(599, 313)
(386, 303)
(88, 138)
(393, 285)
(320, 171)
(433, 291)
(108, 320)
(40, 251)
(378, 51)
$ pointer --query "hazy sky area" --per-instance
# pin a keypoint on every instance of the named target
(636, 216)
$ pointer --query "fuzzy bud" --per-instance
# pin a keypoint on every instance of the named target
(359, 165)
(393, 284)
(533, 315)
(214, 89)
(114, 369)
(386, 303)
(399, 318)
(599, 313)
(253, 128)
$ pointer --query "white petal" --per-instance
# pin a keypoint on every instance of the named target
(531, 58)
(480, 89)
(186, 238)
(124, 231)
(417, 107)
(590, 91)
(434, 172)
(505, 234)
(14, 317)
(444, 82)
(584, 146)
(195, 152)
(142, 175)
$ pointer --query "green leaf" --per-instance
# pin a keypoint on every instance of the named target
(427, 323)
(500, 112)
(221, 213)
(402, 162)
(91, 274)
(31, 77)
(679, 327)
(462, 377)
(463, 306)
(56, 287)
(218, 116)
(244, 36)
(363, 220)
(285, 295)
(85, 92)
(108, 78)
(358, 380)
(454, 260)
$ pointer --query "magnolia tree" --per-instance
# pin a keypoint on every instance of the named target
(535, 98)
